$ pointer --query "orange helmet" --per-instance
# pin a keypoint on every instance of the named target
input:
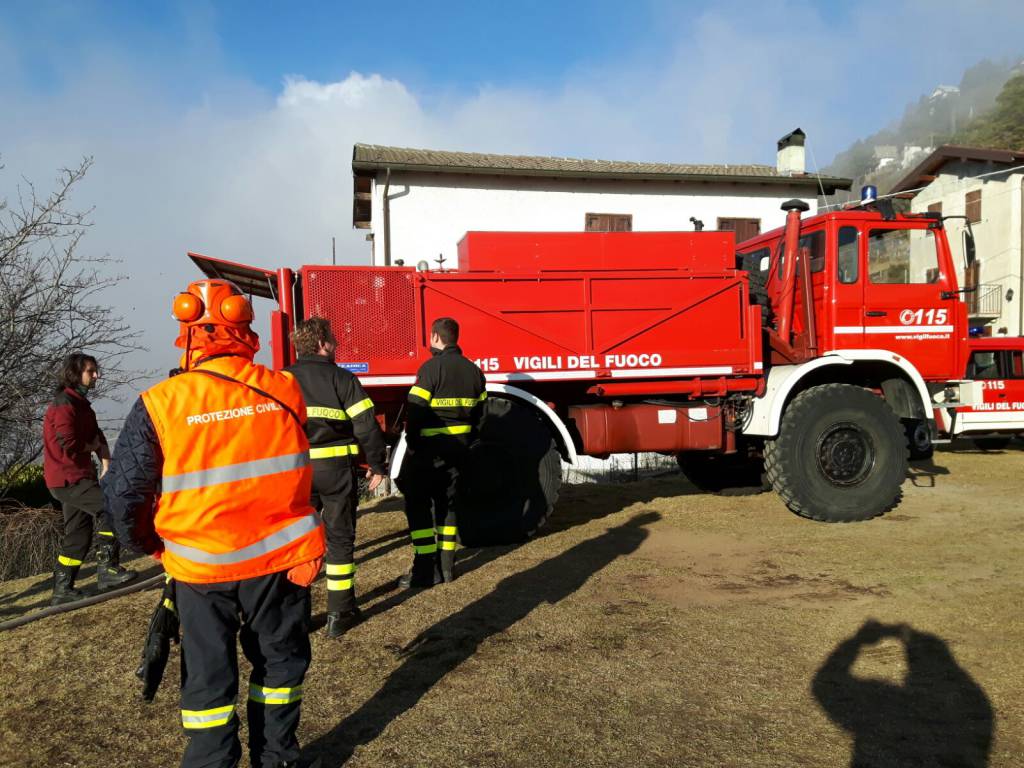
(215, 317)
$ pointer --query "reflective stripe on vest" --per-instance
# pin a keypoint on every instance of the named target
(420, 392)
(362, 405)
(320, 412)
(457, 402)
(332, 451)
(246, 470)
(458, 429)
(276, 540)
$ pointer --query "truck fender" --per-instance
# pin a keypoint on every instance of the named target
(782, 379)
(558, 428)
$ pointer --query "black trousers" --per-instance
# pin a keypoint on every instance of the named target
(336, 497)
(431, 482)
(83, 506)
(271, 615)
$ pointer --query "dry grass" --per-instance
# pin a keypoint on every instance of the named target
(29, 539)
(650, 626)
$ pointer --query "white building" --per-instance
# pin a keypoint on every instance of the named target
(418, 203)
(948, 181)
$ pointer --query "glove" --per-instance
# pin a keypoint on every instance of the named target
(305, 574)
(163, 629)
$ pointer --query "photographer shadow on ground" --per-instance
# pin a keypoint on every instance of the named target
(938, 716)
(443, 647)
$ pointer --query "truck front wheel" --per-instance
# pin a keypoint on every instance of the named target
(840, 455)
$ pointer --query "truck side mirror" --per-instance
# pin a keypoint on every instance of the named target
(970, 253)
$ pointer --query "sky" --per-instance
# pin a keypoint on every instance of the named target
(227, 127)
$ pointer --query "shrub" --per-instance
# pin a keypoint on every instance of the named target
(29, 540)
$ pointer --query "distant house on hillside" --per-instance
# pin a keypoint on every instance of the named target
(986, 186)
(418, 203)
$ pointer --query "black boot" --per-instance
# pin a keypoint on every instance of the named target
(425, 573)
(340, 622)
(109, 573)
(64, 585)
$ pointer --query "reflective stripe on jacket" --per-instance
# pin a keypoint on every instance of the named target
(340, 414)
(236, 475)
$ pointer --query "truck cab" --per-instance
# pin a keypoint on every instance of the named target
(876, 282)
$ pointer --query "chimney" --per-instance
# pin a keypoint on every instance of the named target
(790, 160)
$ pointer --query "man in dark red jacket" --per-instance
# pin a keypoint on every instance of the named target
(71, 436)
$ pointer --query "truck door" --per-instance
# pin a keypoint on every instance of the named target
(845, 327)
(904, 308)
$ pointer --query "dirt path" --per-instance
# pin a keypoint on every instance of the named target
(650, 626)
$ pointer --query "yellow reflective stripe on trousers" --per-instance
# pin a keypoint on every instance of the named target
(420, 392)
(263, 695)
(458, 429)
(322, 412)
(340, 576)
(448, 530)
(207, 718)
(288, 534)
(333, 451)
(108, 534)
(68, 560)
(423, 542)
(245, 470)
(362, 405)
(169, 605)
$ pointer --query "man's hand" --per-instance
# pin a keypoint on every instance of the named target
(375, 480)
(104, 467)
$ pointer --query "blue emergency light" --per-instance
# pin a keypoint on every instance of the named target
(868, 194)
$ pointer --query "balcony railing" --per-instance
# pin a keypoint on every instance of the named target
(986, 301)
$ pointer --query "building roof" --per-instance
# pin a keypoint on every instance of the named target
(370, 158)
(924, 172)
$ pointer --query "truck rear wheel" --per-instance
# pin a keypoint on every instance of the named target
(731, 473)
(840, 455)
(515, 476)
(919, 439)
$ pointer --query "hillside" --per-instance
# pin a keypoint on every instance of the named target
(973, 112)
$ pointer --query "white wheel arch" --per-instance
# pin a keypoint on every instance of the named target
(514, 393)
(767, 412)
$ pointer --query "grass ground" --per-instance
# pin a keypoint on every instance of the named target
(649, 626)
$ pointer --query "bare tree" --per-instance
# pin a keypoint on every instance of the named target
(50, 305)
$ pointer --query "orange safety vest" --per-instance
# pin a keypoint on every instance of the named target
(234, 500)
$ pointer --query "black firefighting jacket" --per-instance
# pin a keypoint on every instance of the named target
(339, 412)
(446, 401)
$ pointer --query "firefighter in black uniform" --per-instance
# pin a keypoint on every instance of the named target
(444, 411)
(340, 421)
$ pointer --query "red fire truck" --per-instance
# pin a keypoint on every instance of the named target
(814, 350)
(997, 363)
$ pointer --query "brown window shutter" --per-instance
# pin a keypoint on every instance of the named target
(935, 208)
(972, 202)
(744, 228)
(608, 222)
